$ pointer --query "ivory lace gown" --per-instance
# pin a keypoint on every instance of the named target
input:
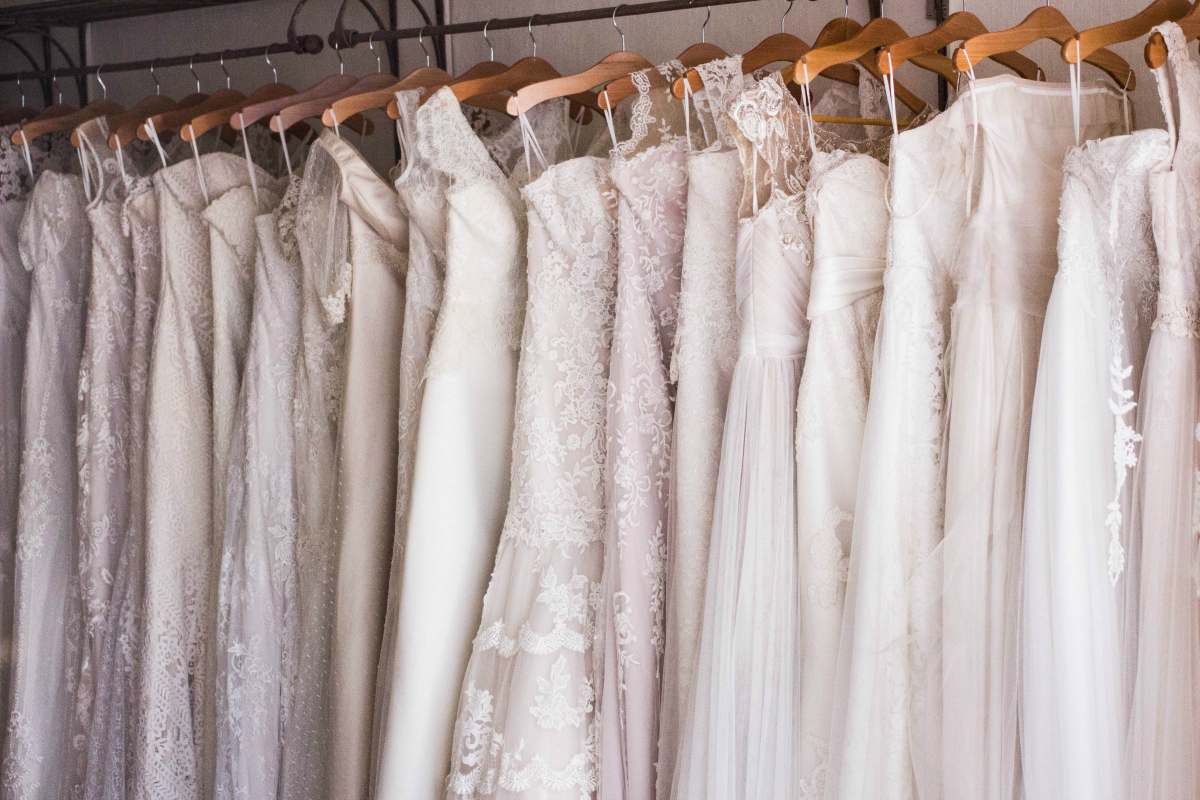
(1082, 445)
(846, 205)
(650, 176)
(462, 450)
(113, 739)
(323, 244)
(526, 725)
(257, 633)
(104, 499)
(885, 743)
(16, 183)
(1003, 276)
(372, 287)
(55, 247)
(702, 368)
(177, 740)
(1163, 756)
(739, 740)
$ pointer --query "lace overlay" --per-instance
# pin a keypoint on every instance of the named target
(525, 718)
(177, 743)
(257, 619)
(322, 241)
(47, 627)
(649, 173)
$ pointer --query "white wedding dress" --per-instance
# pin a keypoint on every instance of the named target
(1082, 445)
(526, 714)
(55, 247)
(702, 369)
(1163, 748)
(846, 205)
(1003, 275)
(885, 743)
(463, 446)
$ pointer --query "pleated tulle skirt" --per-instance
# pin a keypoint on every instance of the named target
(740, 741)
(1164, 730)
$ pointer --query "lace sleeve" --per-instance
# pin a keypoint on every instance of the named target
(447, 141)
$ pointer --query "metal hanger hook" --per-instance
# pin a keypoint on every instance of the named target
(153, 77)
(21, 89)
(783, 19)
(341, 64)
(491, 48)
(846, 13)
(529, 28)
(371, 46)
(103, 87)
(267, 56)
(421, 41)
(192, 67)
(228, 80)
(614, 22)
(54, 81)
(704, 27)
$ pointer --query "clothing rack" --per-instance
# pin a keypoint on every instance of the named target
(79, 12)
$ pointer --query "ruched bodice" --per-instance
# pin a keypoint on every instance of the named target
(772, 285)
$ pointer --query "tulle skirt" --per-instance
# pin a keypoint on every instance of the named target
(1164, 731)
(740, 740)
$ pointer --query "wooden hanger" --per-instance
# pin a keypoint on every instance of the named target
(1156, 48)
(1126, 30)
(1046, 22)
(957, 27)
(605, 71)
(177, 118)
(419, 78)
(693, 56)
(123, 126)
(877, 33)
(292, 113)
(484, 69)
(205, 121)
(53, 111)
(66, 122)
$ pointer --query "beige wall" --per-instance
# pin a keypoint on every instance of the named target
(569, 47)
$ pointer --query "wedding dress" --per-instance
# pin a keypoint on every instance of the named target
(1003, 276)
(16, 183)
(738, 742)
(102, 440)
(372, 289)
(463, 445)
(1163, 749)
(649, 172)
(846, 205)
(702, 368)
(422, 190)
(526, 724)
(322, 236)
(55, 247)
(114, 729)
(1081, 447)
(885, 743)
(177, 742)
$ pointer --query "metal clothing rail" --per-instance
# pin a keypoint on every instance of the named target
(351, 38)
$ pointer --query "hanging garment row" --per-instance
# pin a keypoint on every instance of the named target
(740, 446)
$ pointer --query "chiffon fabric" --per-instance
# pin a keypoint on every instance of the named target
(885, 741)
(526, 723)
(649, 174)
(55, 248)
(739, 739)
(257, 632)
(176, 754)
(846, 204)
(1163, 748)
(1003, 275)
(16, 184)
(372, 291)
(702, 370)
(462, 448)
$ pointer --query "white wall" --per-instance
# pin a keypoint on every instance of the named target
(569, 47)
